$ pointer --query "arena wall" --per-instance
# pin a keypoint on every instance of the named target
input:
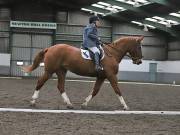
(160, 54)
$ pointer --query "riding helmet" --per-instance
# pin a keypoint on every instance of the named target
(94, 18)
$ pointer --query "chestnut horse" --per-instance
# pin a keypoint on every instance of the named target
(62, 57)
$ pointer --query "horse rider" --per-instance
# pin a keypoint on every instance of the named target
(91, 40)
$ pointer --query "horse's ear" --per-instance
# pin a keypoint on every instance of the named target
(139, 39)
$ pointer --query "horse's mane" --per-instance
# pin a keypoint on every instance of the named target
(125, 38)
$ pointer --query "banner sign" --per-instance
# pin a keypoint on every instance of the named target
(36, 25)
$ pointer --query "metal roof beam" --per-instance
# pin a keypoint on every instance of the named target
(165, 3)
(170, 17)
(131, 8)
(157, 25)
(163, 28)
(122, 4)
(138, 10)
(96, 9)
(120, 17)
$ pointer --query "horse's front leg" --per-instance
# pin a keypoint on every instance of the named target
(113, 80)
(94, 92)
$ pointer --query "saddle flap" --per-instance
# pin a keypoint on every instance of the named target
(88, 55)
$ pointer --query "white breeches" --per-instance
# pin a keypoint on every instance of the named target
(94, 50)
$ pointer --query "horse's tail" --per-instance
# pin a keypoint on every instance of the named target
(37, 60)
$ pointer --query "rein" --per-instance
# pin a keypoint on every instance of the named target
(134, 58)
(111, 45)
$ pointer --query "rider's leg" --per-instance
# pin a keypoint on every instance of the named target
(96, 53)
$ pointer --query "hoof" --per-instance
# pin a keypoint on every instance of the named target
(33, 102)
(69, 106)
(126, 108)
(32, 105)
(84, 105)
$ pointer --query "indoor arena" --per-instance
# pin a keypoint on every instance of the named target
(89, 67)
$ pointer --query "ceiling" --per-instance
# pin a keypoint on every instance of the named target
(152, 15)
(65, 4)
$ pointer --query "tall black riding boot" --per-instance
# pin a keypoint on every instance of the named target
(97, 62)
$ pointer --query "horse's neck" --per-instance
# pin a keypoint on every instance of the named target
(120, 51)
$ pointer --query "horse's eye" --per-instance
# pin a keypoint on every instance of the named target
(139, 47)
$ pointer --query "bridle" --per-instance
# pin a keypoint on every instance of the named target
(111, 45)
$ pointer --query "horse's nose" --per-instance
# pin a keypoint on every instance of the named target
(139, 62)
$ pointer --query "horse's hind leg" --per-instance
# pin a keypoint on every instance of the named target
(40, 83)
(94, 92)
(61, 81)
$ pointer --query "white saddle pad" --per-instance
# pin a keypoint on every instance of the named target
(86, 55)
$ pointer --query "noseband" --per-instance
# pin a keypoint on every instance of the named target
(133, 58)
